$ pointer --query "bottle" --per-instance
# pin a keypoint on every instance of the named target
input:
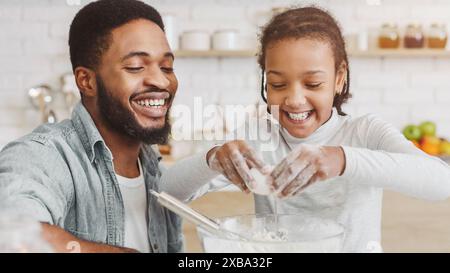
(363, 40)
(171, 30)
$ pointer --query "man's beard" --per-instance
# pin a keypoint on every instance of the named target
(122, 120)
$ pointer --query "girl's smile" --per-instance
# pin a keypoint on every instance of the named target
(298, 118)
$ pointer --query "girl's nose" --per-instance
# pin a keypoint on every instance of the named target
(296, 97)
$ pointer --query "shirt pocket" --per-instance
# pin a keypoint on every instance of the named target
(176, 245)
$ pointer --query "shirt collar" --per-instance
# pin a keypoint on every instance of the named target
(87, 131)
(90, 136)
(322, 133)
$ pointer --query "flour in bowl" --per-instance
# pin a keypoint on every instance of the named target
(281, 235)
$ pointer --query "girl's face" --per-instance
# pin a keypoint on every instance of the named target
(302, 81)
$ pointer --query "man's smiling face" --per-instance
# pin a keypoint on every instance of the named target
(136, 83)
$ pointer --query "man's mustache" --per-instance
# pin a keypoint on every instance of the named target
(150, 90)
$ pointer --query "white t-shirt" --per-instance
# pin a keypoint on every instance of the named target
(134, 197)
(377, 155)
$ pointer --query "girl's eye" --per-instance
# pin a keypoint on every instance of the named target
(167, 69)
(134, 69)
(313, 85)
(277, 85)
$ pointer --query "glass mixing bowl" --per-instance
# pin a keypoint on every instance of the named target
(270, 233)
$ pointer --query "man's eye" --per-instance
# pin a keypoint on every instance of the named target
(167, 69)
(313, 85)
(134, 69)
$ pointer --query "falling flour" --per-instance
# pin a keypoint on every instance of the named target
(261, 184)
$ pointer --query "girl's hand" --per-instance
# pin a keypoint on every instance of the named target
(305, 165)
(234, 160)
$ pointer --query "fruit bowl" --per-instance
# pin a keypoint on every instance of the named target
(424, 137)
(264, 233)
(446, 158)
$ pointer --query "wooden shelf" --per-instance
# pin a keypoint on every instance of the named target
(215, 53)
(372, 53)
(401, 53)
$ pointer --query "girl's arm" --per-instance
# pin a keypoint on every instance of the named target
(211, 170)
(188, 178)
(214, 169)
(392, 162)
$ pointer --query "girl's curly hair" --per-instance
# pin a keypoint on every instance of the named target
(306, 22)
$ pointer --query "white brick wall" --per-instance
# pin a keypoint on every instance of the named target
(33, 50)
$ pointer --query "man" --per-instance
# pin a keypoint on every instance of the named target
(87, 179)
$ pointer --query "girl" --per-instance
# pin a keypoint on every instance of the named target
(325, 163)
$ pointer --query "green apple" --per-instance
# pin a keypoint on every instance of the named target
(428, 128)
(412, 132)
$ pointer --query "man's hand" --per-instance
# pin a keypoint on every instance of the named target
(234, 160)
(64, 242)
(305, 165)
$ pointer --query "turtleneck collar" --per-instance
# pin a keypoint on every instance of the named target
(320, 136)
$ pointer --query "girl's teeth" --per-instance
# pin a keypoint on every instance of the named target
(299, 116)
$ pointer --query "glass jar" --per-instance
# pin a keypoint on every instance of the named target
(437, 36)
(389, 36)
(414, 36)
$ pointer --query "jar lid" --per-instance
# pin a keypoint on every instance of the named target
(389, 25)
(438, 25)
(414, 25)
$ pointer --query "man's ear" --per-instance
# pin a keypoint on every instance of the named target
(341, 78)
(86, 81)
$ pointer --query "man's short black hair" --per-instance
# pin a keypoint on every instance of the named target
(89, 35)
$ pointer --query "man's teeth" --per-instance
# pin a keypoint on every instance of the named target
(299, 116)
(151, 103)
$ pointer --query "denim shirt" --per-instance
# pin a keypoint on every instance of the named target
(63, 174)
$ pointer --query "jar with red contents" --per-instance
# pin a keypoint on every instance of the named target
(414, 36)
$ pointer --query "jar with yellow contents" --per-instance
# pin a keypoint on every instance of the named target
(437, 36)
(389, 36)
